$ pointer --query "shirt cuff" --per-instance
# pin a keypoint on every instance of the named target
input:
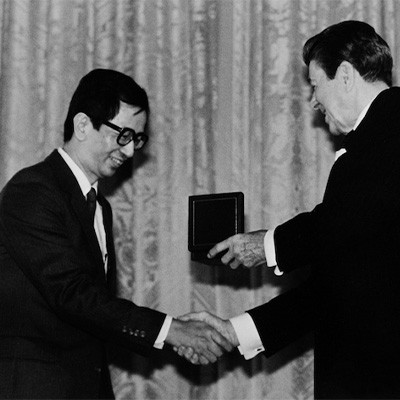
(270, 254)
(249, 340)
(159, 343)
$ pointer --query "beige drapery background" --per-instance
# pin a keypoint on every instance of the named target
(230, 112)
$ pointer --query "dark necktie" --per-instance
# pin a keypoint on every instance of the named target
(91, 202)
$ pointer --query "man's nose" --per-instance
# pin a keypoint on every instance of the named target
(314, 103)
(128, 150)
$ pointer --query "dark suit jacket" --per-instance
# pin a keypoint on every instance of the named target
(57, 308)
(352, 242)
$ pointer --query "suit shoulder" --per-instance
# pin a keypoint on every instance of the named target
(48, 170)
(33, 180)
(391, 94)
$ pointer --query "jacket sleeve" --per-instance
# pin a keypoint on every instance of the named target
(286, 317)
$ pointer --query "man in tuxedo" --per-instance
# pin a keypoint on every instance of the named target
(351, 239)
(58, 308)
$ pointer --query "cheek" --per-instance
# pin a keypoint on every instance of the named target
(108, 145)
(321, 95)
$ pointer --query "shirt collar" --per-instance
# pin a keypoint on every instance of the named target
(362, 114)
(80, 176)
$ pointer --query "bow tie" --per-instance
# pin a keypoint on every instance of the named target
(347, 139)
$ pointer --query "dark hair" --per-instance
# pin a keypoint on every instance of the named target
(99, 94)
(355, 42)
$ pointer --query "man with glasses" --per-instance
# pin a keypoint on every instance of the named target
(58, 309)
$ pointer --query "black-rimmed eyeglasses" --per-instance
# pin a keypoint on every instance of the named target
(126, 135)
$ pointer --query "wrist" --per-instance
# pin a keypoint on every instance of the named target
(173, 332)
(232, 334)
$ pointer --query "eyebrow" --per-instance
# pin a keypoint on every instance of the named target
(138, 112)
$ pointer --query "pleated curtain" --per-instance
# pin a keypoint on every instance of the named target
(229, 112)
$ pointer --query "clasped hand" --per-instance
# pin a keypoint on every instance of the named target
(206, 337)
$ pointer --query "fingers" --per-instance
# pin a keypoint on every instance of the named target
(202, 339)
(184, 351)
(211, 349)
(195, 358)
(218, 248)
(245, 249)
(223, 335)
(204, 358)
(195, 316)
(228, 257)
(196, 341)
(190, 355)
(222, 342)
(234, 264)
(227, 338)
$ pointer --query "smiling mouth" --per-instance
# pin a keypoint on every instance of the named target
(321, 108)
(117, 161)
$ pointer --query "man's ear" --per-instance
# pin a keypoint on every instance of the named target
(346, 74)
(82, 124)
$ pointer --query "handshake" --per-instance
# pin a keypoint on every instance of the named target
(201, 337)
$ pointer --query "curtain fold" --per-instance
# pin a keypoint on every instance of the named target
(229, 112)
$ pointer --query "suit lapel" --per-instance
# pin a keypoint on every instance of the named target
(69, 185)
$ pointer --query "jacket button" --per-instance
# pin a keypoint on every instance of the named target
(142, 334)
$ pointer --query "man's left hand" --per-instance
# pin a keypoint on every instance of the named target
(243, 249)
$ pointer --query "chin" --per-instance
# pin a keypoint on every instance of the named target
(109, 173)
(333, 129)
(335, 132)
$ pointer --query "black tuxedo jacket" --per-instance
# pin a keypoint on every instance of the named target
(352, 242)
(57, 307)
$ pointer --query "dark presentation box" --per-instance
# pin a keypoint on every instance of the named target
(213, 218)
